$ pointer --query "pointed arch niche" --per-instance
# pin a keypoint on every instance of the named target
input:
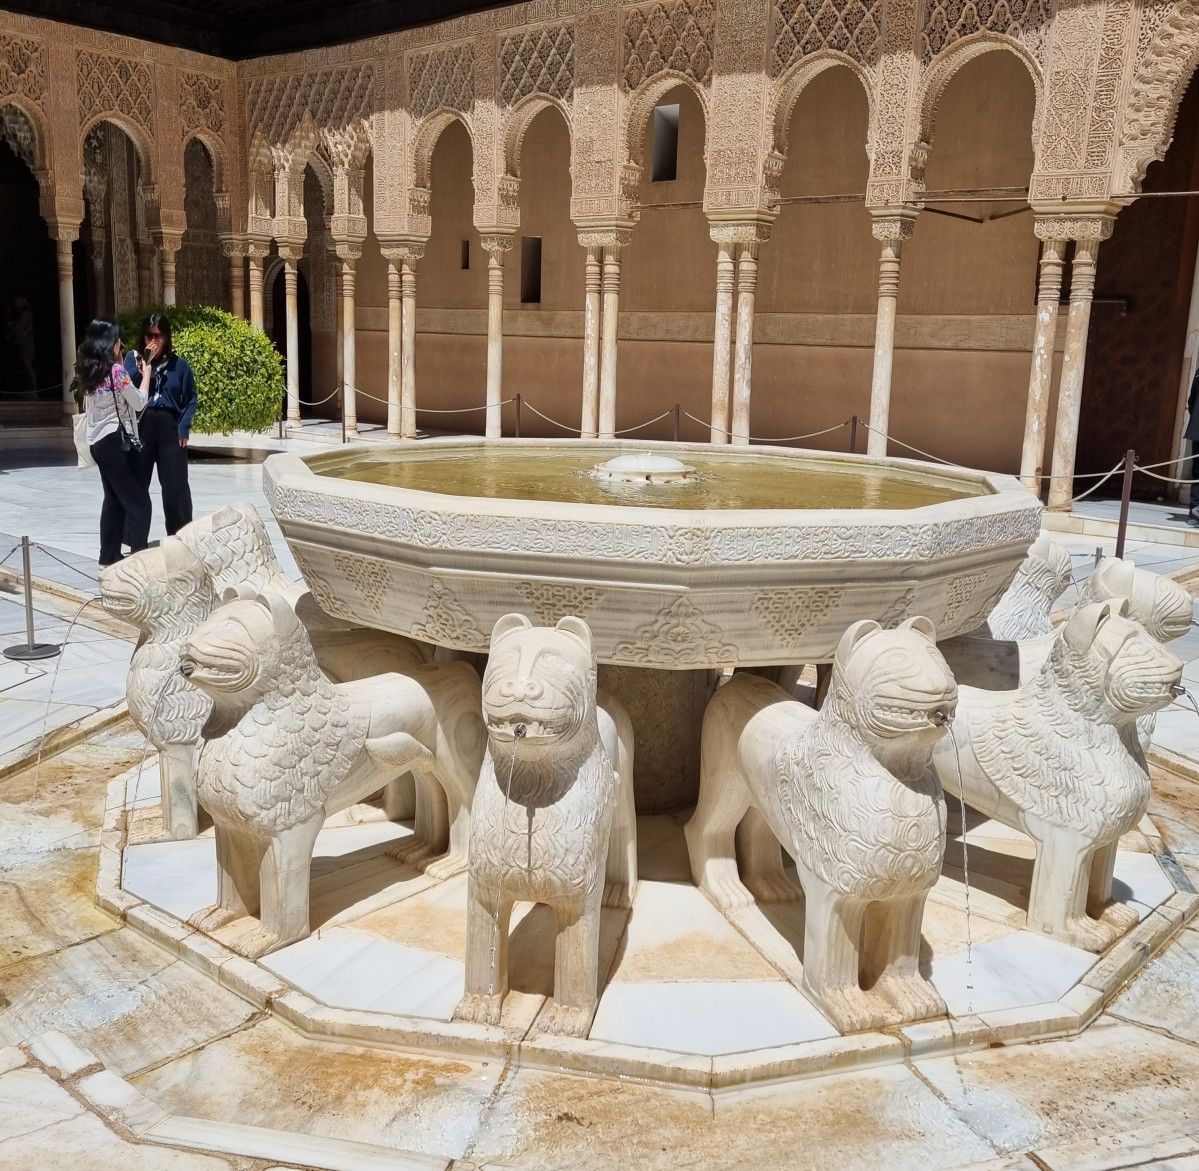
(202, 272)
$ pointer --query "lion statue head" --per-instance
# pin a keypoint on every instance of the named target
(539, 684)
(1025, 608)
(1157, 603)
(893, 685)
(1109, 667)
(235, 546)
(164, 592)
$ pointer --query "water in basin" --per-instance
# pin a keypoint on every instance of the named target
(758, 480)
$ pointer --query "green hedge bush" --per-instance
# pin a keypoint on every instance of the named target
(239, 373)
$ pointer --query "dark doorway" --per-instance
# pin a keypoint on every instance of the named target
(279, 337)
(1139, 318)
(29, 269)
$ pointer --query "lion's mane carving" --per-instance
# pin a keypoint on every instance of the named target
(284, 748)
(1025, 608)
(556, 774)
(851, 794)
(1057, 758)
(166, 593)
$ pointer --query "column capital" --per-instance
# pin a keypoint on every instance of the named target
(166, 241)
(232, 246)
(407, 250)
(893, 224)
(64, 231)
(1093, 221)
(496, 241)
(348, 251)
(739, 232)
(605, 237)
(258, 248)
(291, 253)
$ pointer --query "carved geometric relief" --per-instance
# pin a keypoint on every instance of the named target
(114, 84)
(16, 130)
(538, 62)
(801, 27)
(790, 614)
(552, 601)
(947, 21)
(442, 77)
(679, 635)
(1068, 91)
(960, 594)
(326, 596)
(1101, 134)
(201, 103)
(23, 68)
(444, 621)
(675, 36)
(368, 575)
(332, 97)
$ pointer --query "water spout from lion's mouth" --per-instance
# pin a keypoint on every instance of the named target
(519, 731)
(942, 718)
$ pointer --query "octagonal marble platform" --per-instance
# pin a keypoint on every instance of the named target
(688, 996)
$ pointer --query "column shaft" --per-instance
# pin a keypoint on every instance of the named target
(608, 352)
(495, 341)
(349, 404)
(168, 276)
(237, 284)
(395, 349)
(722, 350)
(257, 318)
(589, 422)
(747, 283)
(98, 250)
(1069, 395)
(290, 286)
(884, 348)
(1032, 456)
(339, 347)
(408, 357)
(66, 317)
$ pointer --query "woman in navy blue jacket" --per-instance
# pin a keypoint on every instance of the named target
(165, 424)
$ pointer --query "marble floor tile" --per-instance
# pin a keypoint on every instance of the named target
(1166, 994)
(1139, 881)
(1019, 969)
(31, 1100)
(344, 968)
(708, 1017)
(95, 686)
(178, 877)
(24, 721)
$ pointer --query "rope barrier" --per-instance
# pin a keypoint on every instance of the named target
(531, 407)
(771, 439)
(642, 426)
(926, 454)
(459, 410)
(1167, 479)
(10, 553)
(1097, 486)
(64, 564)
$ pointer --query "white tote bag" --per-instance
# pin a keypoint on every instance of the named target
(84, 452)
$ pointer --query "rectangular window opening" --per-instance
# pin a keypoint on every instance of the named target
(530, 270)
(665, 165)
(466, 254)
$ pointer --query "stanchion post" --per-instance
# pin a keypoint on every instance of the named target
(853, 435)
(1130, 464)
(517, 429)
(677, 409)
(31, 649)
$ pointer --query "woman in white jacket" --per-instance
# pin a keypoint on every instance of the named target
(111, 402)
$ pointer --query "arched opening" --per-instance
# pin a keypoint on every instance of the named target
(544, 274)
(821, 260)
(1136, 375)
(319, 357)
(451, 346)
(201, 274)
(967, 290)
(667, 278)
(31, 365)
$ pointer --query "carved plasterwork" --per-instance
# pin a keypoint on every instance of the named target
(539, 61)
(948, 21)
(17, 131)
(889, 181)
(201, 103)
(442, 79)
(790, 614)
(679, 635)
(445, 621)
(672, 37)
(277, 105)
(23, 68)
(114, 85)
(551, 601)
(804, 27)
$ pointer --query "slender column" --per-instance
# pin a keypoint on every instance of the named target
(349, 342)
(1049, 290)
(747, 283)
(408, 353)
(64, 237)
(145, 271)
(235, 250)
(892, 226)
(98, 251)
(291, 291)
(395, 344)
(722, 353)
(168, 250)
(339, 345)
(495, 247)
(258, 253)
(1069, 395)
(589, 422)
(608, 342)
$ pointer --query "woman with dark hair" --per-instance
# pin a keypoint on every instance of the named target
(111, 403)
(166, 422)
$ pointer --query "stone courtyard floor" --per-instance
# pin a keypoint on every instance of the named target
(115, 1053)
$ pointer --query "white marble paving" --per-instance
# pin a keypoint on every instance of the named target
(96, 686)
(344, 968)
(176, 877)
(709, 1017)
(22, 722)
(1018, 970)
(1139, 881)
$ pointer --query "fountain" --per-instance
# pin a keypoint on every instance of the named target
(620, 588)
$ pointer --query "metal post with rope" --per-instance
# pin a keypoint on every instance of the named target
(32, 648)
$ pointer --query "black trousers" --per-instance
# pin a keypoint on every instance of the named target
(159, 431)
(126, 508)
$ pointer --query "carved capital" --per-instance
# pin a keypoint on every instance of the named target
(732, 232)
(349, 251)
(496, 241)
(258, 249)
(402, 251)
(292, 253)
(233, 246)
(605, 237)
(1074, 227)
(893, 223)
(64, 231)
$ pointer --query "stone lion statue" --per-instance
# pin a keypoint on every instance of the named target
(166, 593)
(1025, 608)
(284, 748)
(1057, 758)
(850, 792)
(553, 817)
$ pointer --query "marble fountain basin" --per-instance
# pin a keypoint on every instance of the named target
(764, 557)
